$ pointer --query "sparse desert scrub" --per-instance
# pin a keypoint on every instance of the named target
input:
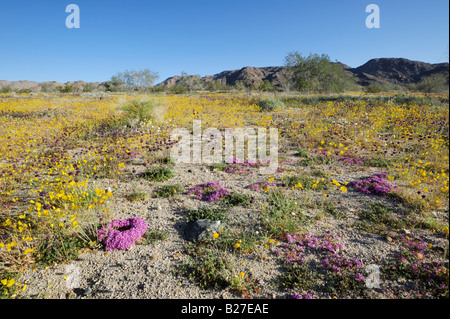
(61, 184)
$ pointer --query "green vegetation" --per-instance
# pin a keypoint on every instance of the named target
(282, 215)
(157, 174)
(168, 190)
(206, 213)
(136, 196)
(237, 199)
(269, 105)
(316, 73)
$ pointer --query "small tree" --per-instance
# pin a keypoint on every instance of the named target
(266, 86)
(47, 87)
(435, 83)
(191, 82)
(5, 89)
(373, 88)
(68, 88)
(88, 87)
(114, 85)
(315, 73)
(133, 80)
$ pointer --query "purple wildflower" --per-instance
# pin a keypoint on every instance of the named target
(211, 191)
(122, 233)
(375, 184)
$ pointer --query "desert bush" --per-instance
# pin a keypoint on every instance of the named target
(373, 88)
(168, 190)
(88, 87)
(67, 89)
(316, 73)
(133, 80)
(206, 213)
(435, 83)
(6, 89)
(269, 105)
(157, 174)
(139, 110)
(178, 89)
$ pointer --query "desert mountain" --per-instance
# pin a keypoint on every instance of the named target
(397, 71)
(393, 70)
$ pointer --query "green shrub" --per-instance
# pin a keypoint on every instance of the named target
(302, 152)
(210, 269)
(373, 88)
(237, 199)
(269, 105)
(151, 237)
(306, 182)
(24, 91)
(66, 89)
(157, 174)
(59, 247)
(168, 190)
(282, 215)
(178, 89)
(136, 196)
(140, 110)
(5, 89)
(206, 213)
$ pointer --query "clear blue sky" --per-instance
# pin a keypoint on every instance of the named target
(208, 36)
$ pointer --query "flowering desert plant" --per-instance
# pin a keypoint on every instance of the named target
(237, 166)
(351, 160)
(260, 186)
(211, 191)
(122, 233)
(375, 184)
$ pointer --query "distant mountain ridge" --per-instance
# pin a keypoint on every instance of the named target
(397, 71)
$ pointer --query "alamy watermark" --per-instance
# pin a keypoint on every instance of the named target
(73, 19)
(72, 276)
(212, 146)
(373, 276)
(373, 19)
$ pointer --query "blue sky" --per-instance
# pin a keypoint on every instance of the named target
(206, 37)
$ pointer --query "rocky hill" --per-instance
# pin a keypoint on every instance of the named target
(397, 71)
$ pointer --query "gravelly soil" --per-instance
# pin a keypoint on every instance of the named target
(147, 271)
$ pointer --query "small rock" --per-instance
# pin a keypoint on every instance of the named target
(202, 228)
(406, 231)
(88, 291)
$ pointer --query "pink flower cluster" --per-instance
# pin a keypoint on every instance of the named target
(122, 233)
(298, 243)
(339, 265)
(260, 186)
(351, 160)
(295, 247)
(413, 256)
(375, 184)
(211, 191)
(239, 166)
